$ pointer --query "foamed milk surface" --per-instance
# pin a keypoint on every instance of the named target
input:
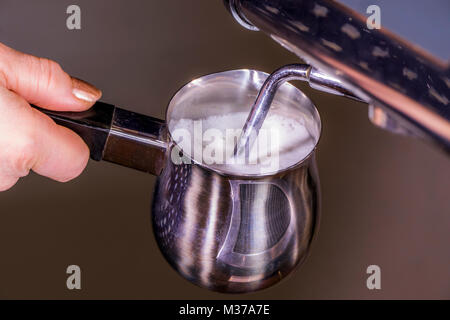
(286, 142)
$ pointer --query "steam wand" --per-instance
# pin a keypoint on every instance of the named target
(261, 106)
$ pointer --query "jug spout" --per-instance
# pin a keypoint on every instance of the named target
(119, 136)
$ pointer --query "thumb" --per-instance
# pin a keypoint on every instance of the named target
(29, 140)
(43, 82)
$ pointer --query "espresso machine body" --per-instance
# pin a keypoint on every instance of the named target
(407, 88)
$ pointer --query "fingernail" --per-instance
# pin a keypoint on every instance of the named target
(85, 91)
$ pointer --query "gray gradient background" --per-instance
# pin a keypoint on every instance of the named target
(385, 197)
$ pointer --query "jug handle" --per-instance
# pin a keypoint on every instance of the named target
(118, 136)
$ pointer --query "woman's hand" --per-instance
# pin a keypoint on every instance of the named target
(30, 140)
